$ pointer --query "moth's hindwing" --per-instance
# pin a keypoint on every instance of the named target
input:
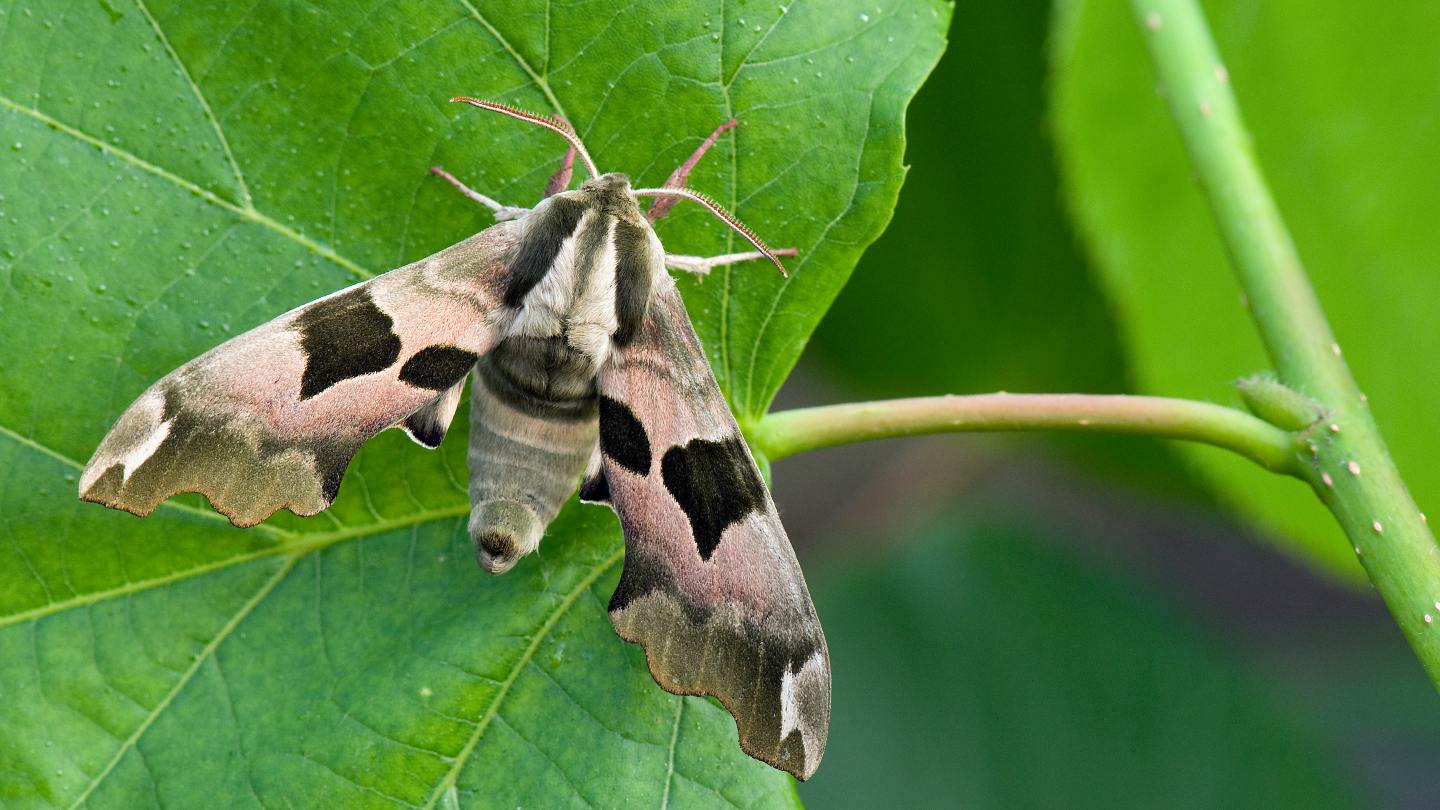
(711, 587)
(271, 418)
(526, 452)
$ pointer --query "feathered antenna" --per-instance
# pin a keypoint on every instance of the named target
(690, 194)
(548, 122)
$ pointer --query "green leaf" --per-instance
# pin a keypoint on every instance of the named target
(1347, 145)
(174, 175)
(1015, 674)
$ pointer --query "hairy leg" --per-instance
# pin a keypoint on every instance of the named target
(702, 265)
(502, 212)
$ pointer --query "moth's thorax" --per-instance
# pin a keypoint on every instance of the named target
(585, 268)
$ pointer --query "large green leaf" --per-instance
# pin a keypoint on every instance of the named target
(1345, 113)
(174, 174)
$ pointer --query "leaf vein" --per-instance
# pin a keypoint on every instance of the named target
(525, 657)
(745, 60)
(535, 77)
(298, 544)
(209, 649)
(348, 780)
(583, 708)
(138, 162)
(670, 762)
(556, 765)
(245, 199)
(751, 406)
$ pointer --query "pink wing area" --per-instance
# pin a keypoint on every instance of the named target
(271, 418)
(711, 587)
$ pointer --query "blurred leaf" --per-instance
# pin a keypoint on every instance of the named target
(176, 174)
(978, 665)
(979, 264)
(1348, 146)
(978, 284)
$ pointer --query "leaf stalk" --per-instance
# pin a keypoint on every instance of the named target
(785, 433)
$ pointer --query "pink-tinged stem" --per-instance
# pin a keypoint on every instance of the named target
(785, 433)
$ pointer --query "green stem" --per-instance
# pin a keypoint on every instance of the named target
(1349, 467)
(785, 433)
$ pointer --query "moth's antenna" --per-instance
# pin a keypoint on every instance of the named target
(690, 194)
(553, 124)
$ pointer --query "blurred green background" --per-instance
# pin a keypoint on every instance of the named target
(1028, 621)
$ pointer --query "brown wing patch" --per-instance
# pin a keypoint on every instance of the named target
(437, 367)
(716, 485)
(622, 437)
(344, 336)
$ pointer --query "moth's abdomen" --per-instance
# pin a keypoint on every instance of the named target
(545, 376)
(533, 417)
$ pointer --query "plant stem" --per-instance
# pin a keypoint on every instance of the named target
(1349, 468)
(788, 432)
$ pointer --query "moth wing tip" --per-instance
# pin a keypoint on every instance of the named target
(89, 496)
(236, 519)
(811, 761)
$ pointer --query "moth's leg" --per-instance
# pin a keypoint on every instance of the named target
(662, 205)
(702, 265)
(559, 181)
(502, 212)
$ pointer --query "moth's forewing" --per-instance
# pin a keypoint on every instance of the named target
(711, 587)
(271, 418)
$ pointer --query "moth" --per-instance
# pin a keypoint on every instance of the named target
(585, 368)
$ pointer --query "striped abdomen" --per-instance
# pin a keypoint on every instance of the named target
(579, 284)
(533, 417)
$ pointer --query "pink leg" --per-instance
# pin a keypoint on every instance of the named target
(662, 205)
(559, 181)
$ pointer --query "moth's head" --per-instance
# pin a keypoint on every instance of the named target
(611, 192)
(616, 183)
(607, 183)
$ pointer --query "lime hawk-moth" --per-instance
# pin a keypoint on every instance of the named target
(585, 367)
